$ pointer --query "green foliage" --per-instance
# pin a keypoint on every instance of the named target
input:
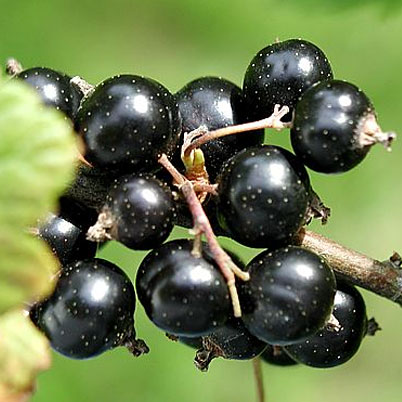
(37, 152)
(23, 352)
(36, 156)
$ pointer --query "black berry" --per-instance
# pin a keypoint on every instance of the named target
(334, 346)
(183, 294)
(231, 341)
(90, 311)
(142, 211)
(277, 356)
(54, 89)
(67, 240)
(127, 122)
(280, 73)
(215, 103)
(289, 295)
(329, 126)
(264, 193)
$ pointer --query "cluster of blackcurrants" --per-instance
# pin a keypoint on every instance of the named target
(293, 309)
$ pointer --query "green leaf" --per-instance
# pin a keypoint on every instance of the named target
(37, 154)
(24, 352)
(26, 269)
(37, 151)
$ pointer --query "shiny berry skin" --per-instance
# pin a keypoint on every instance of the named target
(142, 209)
(289, 296)
(54, 89)
(231, 341)
(215, 103)
(277, 356)
(329, 120)
(127, 122)
(330, 348)
(90, 311)
(264, 193)
(182, 294)
(280, 73)
(67, 241)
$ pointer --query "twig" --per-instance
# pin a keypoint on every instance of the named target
(201, 135)
(382, 278)
(259, 383)
(201, 225)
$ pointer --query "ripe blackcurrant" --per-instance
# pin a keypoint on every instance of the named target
(264, 193)
(67, 241)
(182, 293)
(127, 122)
(289, 296)
(215, 103)
(54, 89)
(231, 341)
(90, 311)
(277, 356)
(334, 127)
(141, 210)
(334, 346)
(280, 73)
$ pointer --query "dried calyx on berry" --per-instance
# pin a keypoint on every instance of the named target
(335, 126)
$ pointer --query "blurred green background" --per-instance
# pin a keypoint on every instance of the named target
(175, 41)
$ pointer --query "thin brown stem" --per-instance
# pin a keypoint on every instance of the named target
(259, 383)
(202, 225)
(200, 136)
(205, 188)
(382, 278)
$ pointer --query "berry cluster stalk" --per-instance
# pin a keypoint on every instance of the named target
(382, 278)
(202, 226)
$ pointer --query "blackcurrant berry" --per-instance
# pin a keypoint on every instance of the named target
(277, 356)
(215, 103)
(67, 241)
(264, 193)
(183, 294)
(90, 311)
(280, 73)
(141, 211)
(127, 122)
(231, 341)
(54, 89)
(334, 346)
(289, 296)
(333, 127)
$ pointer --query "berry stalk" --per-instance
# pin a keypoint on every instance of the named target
(381, 278)
(201, 225)
(201, 135)
(258, 379)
